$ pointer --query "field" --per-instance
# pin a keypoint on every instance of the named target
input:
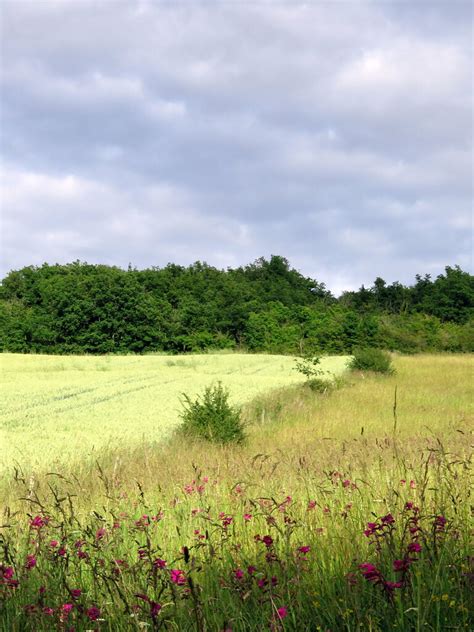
(56, 408)
(343, 511)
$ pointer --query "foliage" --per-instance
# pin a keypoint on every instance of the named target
(367, 359)
(265, 306)
(211, 416)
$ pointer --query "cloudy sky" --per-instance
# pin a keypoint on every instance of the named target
(337, 134)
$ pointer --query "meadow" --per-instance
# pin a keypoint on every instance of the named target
(344, 510)
(55, 408)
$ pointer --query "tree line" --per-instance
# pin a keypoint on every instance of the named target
(266, 306)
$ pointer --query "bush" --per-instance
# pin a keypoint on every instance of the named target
(368, 359)
(211, 417)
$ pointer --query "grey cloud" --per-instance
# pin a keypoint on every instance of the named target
(332, 133)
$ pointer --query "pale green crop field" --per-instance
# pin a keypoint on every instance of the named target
(57, 408)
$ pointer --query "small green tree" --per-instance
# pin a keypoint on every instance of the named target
(308, 366)
(210, 416)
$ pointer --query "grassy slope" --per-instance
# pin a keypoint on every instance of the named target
(310, 448)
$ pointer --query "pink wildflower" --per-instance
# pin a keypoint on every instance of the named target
(53, 544)
(304, 549)
(76, 593)
(39, 521)
(93, 613)
(178, 577)
(100, 533)
(247, 517)
(30, 562)
(282, 612)
(159, 563)
(239, 574)
(414, 547)
(267, 540)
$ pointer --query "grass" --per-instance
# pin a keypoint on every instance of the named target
(338, 514)
(47, 400)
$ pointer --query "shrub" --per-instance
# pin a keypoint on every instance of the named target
(367, 359)
(211, 417)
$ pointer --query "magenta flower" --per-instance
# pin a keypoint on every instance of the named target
(239, 574)
(30, 561)
(247, 517)
(414, 547)
(100, 533)
(53, 544)
(48, 611)
(178, 577)
(311, 505)
(93, 613)
(66, 608)
(371, 573)
(39, 521)
(282, 612)
(155, 608)
(267, 540)
(388, 519)
(251, 570)
(304, 549)
(62, 552)
(76, 593)
(159, 563)
(401, 566)
(440, 523)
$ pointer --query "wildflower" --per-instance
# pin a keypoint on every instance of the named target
(155, 608)
(93, 613)
(304, 549)
(159, 563)
(262, 583)
(239, 574)
(247, 517)
(311, 505)
(267, 540)
(346, 483)
(440, 523)
(178, 577)
(371, 573)
(38, 522)
(188, 489)
(66, 609)
(82, 555)
(412, 485)
(251, 570)
(388, 519)
(414, 547)
(48, 611)
(403, 482)
(282, 612)
(392, 585)
(100, 533)
(53, 544)
(62, 552)
(76, 593)
(372, 528)
(401, 566)
(30, 562)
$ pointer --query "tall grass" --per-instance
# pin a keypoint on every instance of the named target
(345, 511)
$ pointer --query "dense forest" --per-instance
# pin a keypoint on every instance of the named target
(263, 307)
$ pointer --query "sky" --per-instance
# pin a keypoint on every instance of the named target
(336, 134)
